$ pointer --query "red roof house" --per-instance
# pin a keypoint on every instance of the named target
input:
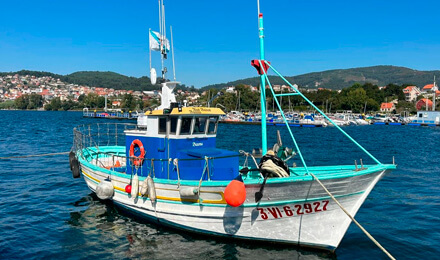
(411, 93)
(387, 107)
(422, 103)
(427, 88)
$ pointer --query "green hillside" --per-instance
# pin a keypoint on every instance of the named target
(330, 79)
(342, 78)
(109, 80)
(33, 73)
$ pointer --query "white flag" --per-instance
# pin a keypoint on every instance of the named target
(155, 39)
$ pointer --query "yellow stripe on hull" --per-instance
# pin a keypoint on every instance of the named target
(222, 201)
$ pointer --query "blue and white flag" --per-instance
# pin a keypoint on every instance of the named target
(155, 39)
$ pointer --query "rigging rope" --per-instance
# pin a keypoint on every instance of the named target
(32, 155)
(352, 218)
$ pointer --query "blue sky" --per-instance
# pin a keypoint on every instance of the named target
(215, 40)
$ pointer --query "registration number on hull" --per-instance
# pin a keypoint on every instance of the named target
(292, 210)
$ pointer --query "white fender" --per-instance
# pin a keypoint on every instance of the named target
(144, 188)
(188, 191)
(151, 189)
(135, 186)
(105, 190)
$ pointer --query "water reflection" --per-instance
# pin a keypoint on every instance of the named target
(102, 229)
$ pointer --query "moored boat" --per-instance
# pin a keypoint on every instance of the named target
(167, 169)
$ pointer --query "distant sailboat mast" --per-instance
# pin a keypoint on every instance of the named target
(172, 53)
(434, 89)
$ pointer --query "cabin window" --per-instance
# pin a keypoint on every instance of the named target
(212, 127)
(173, 125)
(186, 126)
(420, 115)
(200, 125)
(162, 125)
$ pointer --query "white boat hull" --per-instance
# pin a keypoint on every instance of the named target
(299, 212)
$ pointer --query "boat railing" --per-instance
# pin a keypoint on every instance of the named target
(96, 135)
(103, 145)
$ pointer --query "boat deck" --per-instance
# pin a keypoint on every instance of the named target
(104, 158)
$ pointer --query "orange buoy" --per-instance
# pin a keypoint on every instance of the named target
(117, 164)
(235, 193)
(128, 188)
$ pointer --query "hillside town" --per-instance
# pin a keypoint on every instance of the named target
(13, 87)
(422, 98)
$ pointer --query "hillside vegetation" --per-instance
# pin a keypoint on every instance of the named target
(330, 79)
(343, 78)
(109, 80)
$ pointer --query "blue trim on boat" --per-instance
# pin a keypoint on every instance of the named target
(299, 174)
(245, 205)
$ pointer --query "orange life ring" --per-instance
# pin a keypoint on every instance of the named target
(138, 160)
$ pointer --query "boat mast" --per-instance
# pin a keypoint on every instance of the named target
(434, 88)
(262, 83)
(162, 37)
(160, 32)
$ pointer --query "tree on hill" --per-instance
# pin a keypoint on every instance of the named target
(55, 104)
(32, 101)
(92, 100)
(131, 103)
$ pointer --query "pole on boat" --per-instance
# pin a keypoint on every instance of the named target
(262, 84)
(172, 53)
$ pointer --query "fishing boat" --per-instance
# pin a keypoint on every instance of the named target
(168, 170)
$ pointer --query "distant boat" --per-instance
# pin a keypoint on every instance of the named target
(167, 169)
(426, 117)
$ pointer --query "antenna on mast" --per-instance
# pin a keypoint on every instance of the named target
(162, 39)
(258, 6)
(172, 53)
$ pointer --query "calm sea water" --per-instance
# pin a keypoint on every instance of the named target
(45, 213)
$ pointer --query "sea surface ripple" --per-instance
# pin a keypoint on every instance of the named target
(45, 213)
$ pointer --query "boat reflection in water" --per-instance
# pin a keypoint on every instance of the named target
(102, 229)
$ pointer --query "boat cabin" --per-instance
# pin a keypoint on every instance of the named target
(179, 143)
